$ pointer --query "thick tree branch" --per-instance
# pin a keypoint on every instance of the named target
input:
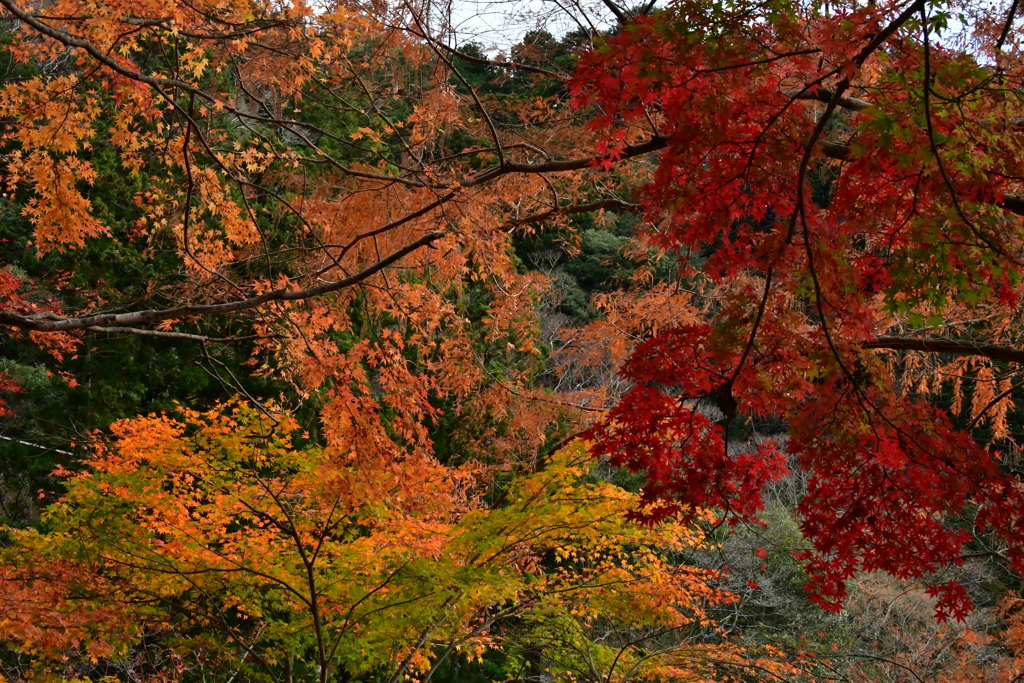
(49, 322)
(170, 334)
(938, 345)
(835, 150)
(1006, 25)
(826, 95)
(561, 165)
(620, 15)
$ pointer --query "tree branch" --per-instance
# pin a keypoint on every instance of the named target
(939, 345)
(826, 95)
(599, 205)
(560, 165)
(49, 322)
(170, 334)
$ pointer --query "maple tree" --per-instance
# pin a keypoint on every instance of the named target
(970, 661)
(265, 182)
(216, 540)
(332, 189)
(841, 182)
(277, 194)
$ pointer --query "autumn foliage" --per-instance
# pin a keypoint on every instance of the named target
(400, 459)
(836, 181)
(215, 534)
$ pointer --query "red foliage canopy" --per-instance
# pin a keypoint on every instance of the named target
(842, 182)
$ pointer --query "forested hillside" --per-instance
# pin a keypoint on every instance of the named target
(340, 344)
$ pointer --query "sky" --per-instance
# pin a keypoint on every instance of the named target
(496, 25)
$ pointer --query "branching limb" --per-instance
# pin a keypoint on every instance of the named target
(49, 322)
(938, 345)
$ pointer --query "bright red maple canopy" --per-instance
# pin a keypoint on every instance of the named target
(842, 183)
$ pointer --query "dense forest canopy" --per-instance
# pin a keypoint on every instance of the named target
(334, 346)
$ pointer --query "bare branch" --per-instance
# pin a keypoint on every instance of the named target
(49, 322)
(1006, 26)
(39, 446)
(171, 334)
(939, 345)
(826, 95)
